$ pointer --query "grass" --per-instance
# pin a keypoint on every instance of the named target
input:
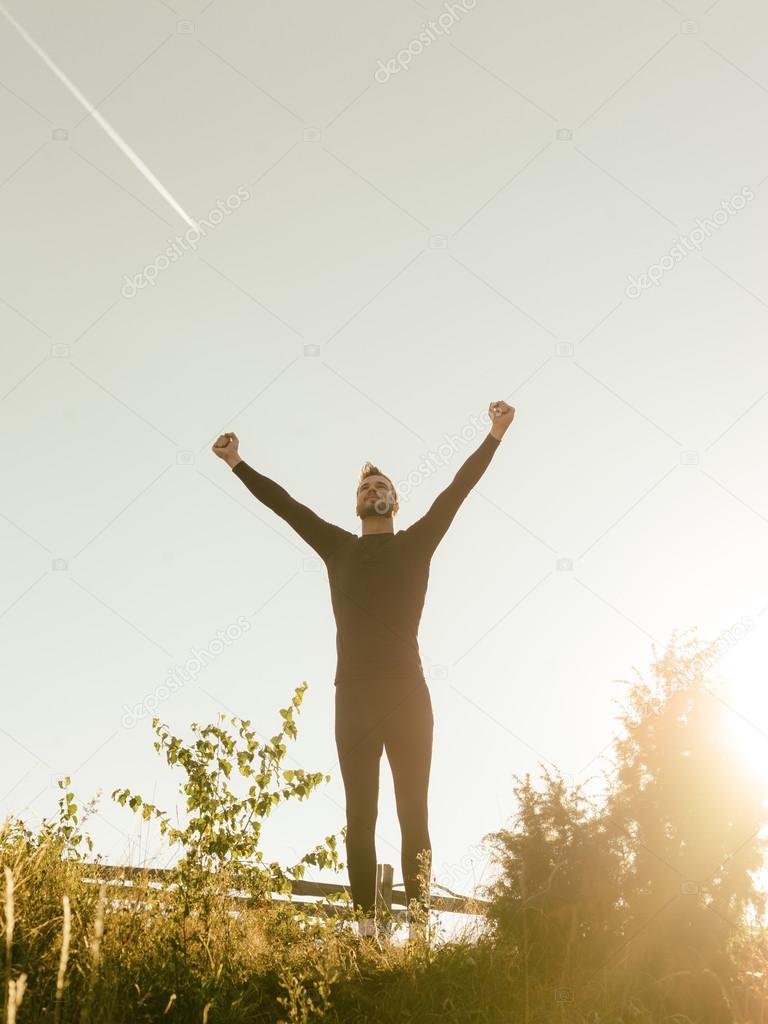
(74, 952)
(588, 923)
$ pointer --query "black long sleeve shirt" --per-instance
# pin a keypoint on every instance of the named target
(378, 581)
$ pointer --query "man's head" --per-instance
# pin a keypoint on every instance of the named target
(376, 494)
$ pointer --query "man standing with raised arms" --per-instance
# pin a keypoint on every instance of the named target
(378, 583)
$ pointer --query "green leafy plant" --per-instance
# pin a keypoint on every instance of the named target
(224, 821)
(64, 831)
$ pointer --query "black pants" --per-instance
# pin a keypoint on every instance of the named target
(401, 722)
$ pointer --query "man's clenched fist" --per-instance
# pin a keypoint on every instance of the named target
(225, 446)
(501, 416)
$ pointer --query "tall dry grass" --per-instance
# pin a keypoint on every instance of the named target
(78, 952)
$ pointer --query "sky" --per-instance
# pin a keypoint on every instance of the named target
(401, 217)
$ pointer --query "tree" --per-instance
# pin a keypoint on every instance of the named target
(557, 900)
(690, 815)
(652, 884)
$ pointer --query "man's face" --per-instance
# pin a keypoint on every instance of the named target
(375, 497)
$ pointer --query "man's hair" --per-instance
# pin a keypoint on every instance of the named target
(370, 470)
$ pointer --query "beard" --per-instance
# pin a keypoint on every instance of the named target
(380, 507)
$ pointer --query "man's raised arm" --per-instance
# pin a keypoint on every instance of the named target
(322, 536)
(430, 529)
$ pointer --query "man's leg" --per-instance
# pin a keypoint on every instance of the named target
(408, 742)
(359, 746)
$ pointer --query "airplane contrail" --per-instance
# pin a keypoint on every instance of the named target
(119, 141)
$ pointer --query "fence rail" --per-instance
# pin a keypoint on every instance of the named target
(386, 896)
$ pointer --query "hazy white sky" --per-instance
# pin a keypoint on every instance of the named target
(387, 251)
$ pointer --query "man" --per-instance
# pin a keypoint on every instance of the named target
(378, 583)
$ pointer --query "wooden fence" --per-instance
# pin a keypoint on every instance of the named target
(387, 897)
